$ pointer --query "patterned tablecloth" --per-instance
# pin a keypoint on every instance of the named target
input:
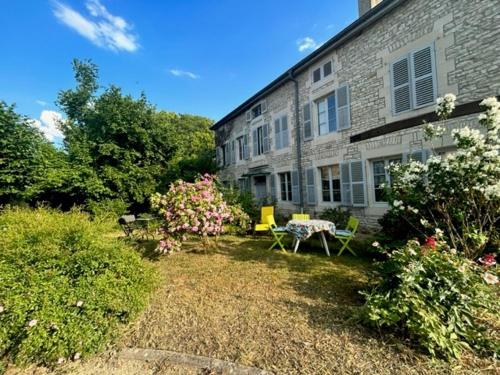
(303, 229)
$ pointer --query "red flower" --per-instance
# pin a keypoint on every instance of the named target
(430, 242)
(488, 260)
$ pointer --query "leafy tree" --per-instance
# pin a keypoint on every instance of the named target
(120, 150)
(195, 147)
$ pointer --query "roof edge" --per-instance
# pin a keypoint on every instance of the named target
(351, 31)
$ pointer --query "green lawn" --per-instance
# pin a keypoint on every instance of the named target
(284, 312)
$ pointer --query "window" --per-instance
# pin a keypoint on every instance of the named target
(327, 119)
(381, 176)
(352, 178)
(244, 184)
(330, 183)
(260, 137)
(225, 155)
(322, 72)
(413, 80)
(281, 132)
(242, 147)
(256, 111)
(286, 186)
(306, 117)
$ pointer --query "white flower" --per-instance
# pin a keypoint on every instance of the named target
(1, 309)
(32, 323)
(375, 244)
(453, 251)
(490, 278)
(424, 222)
(60, 360)
(412, 252)
(76, 356)
(439, 233)
(79, 304)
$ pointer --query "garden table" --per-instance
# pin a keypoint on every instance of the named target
(303, 229)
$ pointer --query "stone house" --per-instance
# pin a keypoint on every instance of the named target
(321, 134)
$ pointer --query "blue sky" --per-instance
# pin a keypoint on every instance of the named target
(195, 56)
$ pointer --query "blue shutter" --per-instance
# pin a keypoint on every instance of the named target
(311, 187)
(284, 132)
(424, 83)
(295, 187)
(343, 107)
(277, 134)
(401, 92)
(265, 138)
(273, 188)
(332, 113)
(246, 151)
(345, 180)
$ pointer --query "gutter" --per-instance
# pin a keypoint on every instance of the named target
(350, 32)
(298, 139)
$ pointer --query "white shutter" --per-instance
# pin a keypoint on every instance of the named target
(400, 76)
(295, 187)
(255, 143)
(311, 187)
(265, 137)
(284, 132)
(273, 188)
(424, 85)
(249, 115)
(246, 151)
(345, 179)
(263, 106)
(306, 115)
(358, 185)
(277, 134)
(343, 110)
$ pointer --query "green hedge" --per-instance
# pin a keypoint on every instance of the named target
(65, 286)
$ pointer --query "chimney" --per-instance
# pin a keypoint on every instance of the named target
(365, 5)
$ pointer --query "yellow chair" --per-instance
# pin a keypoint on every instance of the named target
(301, 217)
(263, 226)
(346, 235)
(278, 233)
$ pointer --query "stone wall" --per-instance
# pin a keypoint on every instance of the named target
(466, 38)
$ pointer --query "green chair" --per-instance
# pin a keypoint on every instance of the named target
(278, 233)
(346, 235)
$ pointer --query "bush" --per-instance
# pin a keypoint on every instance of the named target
(65, 288)
(107, 209)
(336, 215)
(460, 192)
(438, 298)
(195, 208)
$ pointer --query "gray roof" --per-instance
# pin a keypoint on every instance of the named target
(350, 32)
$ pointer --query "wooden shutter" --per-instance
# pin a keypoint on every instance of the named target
(400, 76)
(277, 134)
(284, 132)
(310, 187)
(424, 87)
(265, 138)
(343, 110)
(306, 115)
(345, 180)
(358, 184)
(273, 188)
(255, 143)
(295, 187)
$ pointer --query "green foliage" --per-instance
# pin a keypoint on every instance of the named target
(337, 215)
(107, 209)
(244, 199)
(65, 287)
(438, 298)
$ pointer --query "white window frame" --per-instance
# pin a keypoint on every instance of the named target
(317, 104)
(387, 161)
(330, 184)
(288, 186)
(321, 67)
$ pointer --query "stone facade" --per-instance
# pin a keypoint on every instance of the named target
(465, 39)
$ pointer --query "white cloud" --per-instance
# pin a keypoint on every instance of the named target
(48, 125)
(307, 43)
(104, 29)
(183, 73)
(41, 102)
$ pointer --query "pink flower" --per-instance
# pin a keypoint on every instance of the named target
(194, 229)
(488, 260)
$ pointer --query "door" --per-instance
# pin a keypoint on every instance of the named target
(260, 184)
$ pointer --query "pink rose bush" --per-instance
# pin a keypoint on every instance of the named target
(196, 208)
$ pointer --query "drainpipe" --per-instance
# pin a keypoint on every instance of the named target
(298, 139)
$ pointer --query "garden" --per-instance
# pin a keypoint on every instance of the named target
(204, 294)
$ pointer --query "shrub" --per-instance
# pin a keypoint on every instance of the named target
(438, 298)
(459, 193)
(336, 215)
(107, 209)
(193, 208)
(65, 288)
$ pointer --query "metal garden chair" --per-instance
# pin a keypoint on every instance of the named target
(346, 235)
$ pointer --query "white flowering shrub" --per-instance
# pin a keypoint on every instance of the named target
(445, 302)
(460, 192)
